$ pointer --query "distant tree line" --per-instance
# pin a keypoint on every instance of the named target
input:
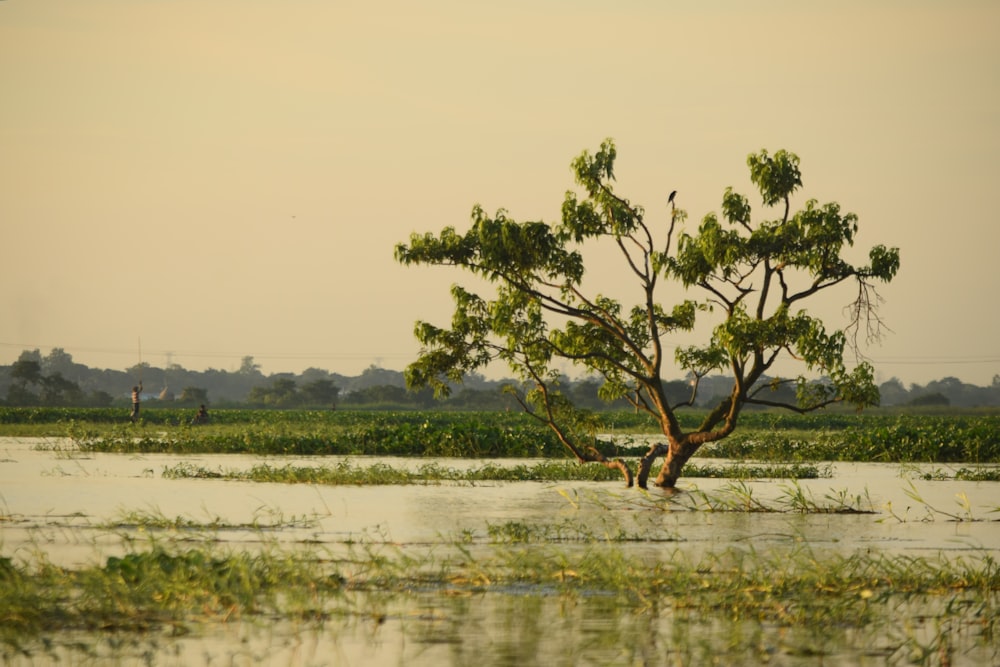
(56, 380)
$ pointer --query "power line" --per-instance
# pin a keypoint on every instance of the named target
(174, 352)
(381, 354)
(929, 361)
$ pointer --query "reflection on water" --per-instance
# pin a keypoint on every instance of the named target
(73, 509)
(511, 630)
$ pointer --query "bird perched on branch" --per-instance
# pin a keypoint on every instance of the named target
(670, 199)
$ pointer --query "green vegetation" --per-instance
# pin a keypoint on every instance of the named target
(155, 520)
(157, 588)
(738, 497)
(965, 474)
(175, 576)
(433, 473)
(749, 275)
(971, 437)
(905, 438)
(787, 599)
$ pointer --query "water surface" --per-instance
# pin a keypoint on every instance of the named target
(69, 506)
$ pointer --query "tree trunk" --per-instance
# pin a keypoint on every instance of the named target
(675, 456)
(646, 462)
(672, 464)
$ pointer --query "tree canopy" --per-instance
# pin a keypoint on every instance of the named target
(752, 277)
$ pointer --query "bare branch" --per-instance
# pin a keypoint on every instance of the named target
(864, 310)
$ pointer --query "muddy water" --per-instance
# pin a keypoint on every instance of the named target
(60, 503)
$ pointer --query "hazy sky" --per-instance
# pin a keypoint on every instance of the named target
(229, 178)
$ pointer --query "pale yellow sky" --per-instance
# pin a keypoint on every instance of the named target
(229, 178)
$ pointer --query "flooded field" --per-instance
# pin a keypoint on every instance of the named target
(74, 510)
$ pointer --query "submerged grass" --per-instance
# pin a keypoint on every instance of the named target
(977, 474)
(345, 472)
(179, 590)
(264, 520)
(739, 497)
(155, 589)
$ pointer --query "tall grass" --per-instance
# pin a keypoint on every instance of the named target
(158, 588)
(178, 590)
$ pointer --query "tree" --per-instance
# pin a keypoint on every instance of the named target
(99, 399)
(281, 394)
(320, 392)
(26, 371)
(934, 399)
(249, 367)
(30, 355)
(59, 361)
(194, 395)
(750, 279)
(892, 392)
(57, 390)
(381, 394)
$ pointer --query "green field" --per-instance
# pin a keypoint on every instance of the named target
(961, 437)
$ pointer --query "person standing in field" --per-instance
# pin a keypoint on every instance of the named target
(136, 392)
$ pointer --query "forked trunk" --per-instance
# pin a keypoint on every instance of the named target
(672, 464)
(675, 456)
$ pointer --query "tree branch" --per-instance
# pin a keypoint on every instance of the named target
(592, 455)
